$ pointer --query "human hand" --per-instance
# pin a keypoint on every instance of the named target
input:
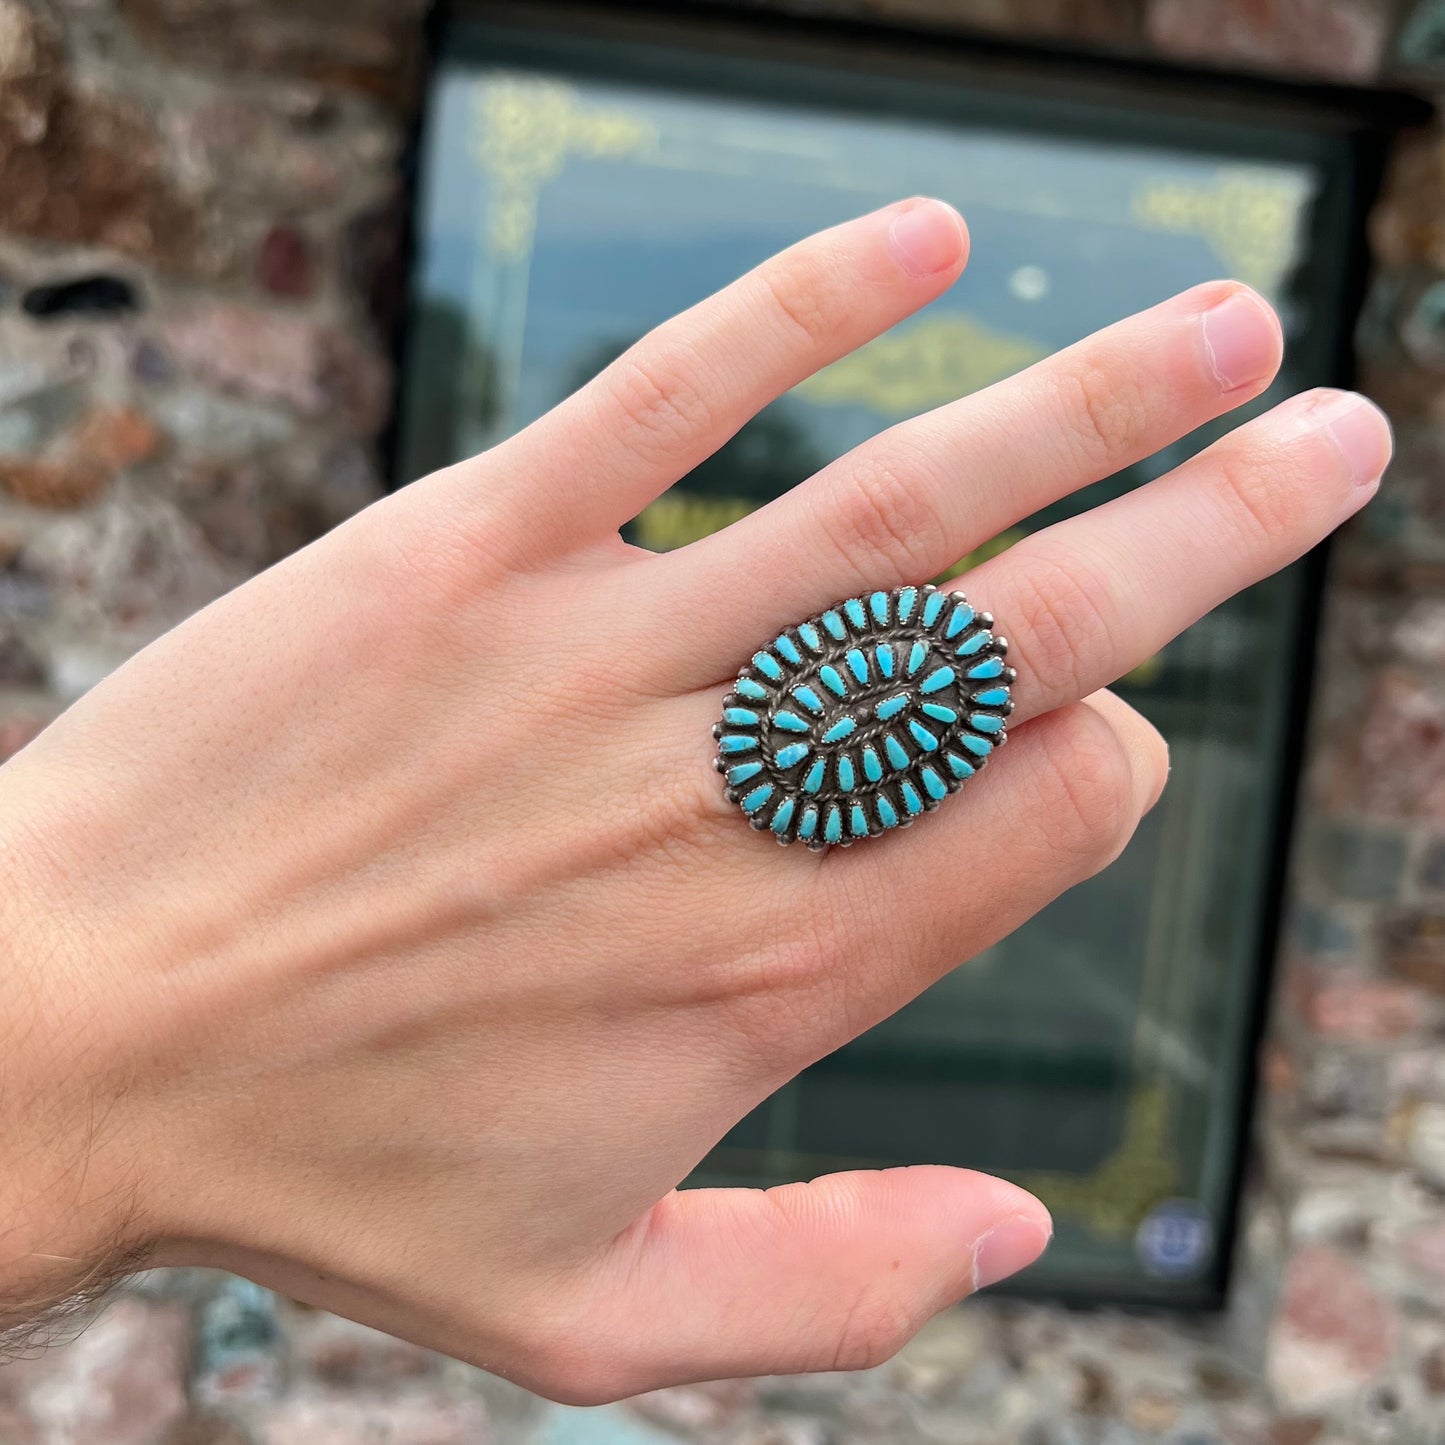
(382, 933)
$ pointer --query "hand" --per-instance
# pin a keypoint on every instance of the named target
(382, 933)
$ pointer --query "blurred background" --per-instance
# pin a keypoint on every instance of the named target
(262, 260)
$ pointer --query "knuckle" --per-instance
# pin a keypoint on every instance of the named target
(1263, 507)
(1267, 493)
(1107, 414)
(564, 1361)
(1088, 790)
(657, 397)
(889, 524)
(1058, 623)
(874, 1328)
(802, 301)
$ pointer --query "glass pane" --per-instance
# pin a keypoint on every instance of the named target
(1096, 1055)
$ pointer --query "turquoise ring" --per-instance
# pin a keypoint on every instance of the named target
(860, 719)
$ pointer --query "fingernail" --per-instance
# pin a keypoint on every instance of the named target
(1241, 340)
(927, 237)
(1361, 431)
(1011, 1245)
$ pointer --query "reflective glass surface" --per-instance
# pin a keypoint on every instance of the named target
(575, 194)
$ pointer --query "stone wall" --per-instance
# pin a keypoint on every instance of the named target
(197, 281)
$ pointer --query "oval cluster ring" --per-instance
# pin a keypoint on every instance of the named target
(860, 719)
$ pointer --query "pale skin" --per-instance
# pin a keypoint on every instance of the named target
(382, 932)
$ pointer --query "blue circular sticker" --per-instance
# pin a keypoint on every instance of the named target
(1175, 1239)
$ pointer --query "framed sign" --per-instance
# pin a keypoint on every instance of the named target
(576, 189)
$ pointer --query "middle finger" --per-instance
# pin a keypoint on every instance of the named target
(912, 500)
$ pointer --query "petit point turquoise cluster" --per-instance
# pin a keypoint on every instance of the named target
(860, 719)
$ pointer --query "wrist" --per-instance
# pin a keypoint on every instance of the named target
(71, 1215)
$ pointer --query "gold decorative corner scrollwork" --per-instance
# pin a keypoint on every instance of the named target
(923, 365)
(1142, 1169)
(524, 130)
(1250, 220)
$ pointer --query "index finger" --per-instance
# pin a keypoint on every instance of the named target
(668, 402)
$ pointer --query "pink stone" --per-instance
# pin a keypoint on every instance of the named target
(1333, 1331)
(695, 1407)
(284, 263)
(1424, 1248)
(121, 1382)
(1362, 1010)
(391, 1419)
(1338, 39)
(315, 369)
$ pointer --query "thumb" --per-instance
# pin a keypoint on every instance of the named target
(836, 1274)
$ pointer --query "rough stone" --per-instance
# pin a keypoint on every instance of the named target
(1414, 950)
(396, 1419)
(78, 465)
(19, 664)
(204, 1429)
(695, 1407)
(285, 263)
(1363, 862)
(1334, 39)
(239, 1346)
(342, 1354)
(16, 731)
(1360, 1009)
(374, 46)
(270, 356)
(122, 1382)
(82, 169)
(1333, 1333)
(1407, 225)
(1425, 1146)
(248, 156)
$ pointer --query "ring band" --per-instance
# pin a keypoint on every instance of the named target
(860, 719)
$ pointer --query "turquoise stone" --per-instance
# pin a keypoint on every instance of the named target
(963, 614)
(855, 721)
